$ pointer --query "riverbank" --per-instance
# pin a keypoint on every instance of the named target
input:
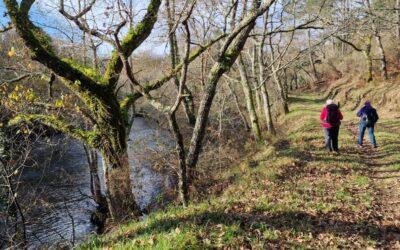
(291, 194)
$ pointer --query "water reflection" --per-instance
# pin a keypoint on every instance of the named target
(56, 185)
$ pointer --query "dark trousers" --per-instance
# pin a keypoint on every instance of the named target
(331, 136)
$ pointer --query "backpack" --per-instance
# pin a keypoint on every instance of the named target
(370, 117)
(332, 117)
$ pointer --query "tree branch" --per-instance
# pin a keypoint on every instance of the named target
(245, 23)
(131, 98)
(157, 84)
(131, 41)
(83, 25)
(227, 57)
(88, 137)
(348, 43)
(5, 28)
(21, 77)
(40, 45)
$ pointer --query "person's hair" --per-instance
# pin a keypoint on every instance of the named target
(367, 102)
(329, 101)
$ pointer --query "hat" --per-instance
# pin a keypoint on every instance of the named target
(329, 102)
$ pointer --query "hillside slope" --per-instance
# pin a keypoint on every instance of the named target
(351, 93)
(290, 195)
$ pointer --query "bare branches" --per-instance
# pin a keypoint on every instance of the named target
(132, 41)
(22, 77)
(82, 25)
(348, 43)
(227, 56)
(245, 23)
(39, 44)
(5, 28)
(182, 82)
(160, 82)
(303, 26)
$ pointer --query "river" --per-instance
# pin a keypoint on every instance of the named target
(55, 185)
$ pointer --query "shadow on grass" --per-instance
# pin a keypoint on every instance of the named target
(296, 99)
(365, 158)
(292, 221)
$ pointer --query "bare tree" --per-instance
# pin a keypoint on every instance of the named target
(97, 91)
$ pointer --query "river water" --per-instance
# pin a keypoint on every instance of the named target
(56, 185)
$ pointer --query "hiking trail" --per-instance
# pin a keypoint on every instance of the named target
(291, 194)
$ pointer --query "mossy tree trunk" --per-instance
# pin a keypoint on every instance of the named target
(95, 185)
(188, 103)
(255, 126)
(276, 78)
(98, 94)
(228, 54)
(368, 57)
(267, 109)
(281, 90)
(255, 83)
(382, 58)
(376, 30)
(263, 80)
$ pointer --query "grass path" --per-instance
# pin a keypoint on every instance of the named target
(383, 166)
(384, 170)
(290, 195)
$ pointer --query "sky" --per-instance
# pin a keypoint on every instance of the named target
(45, 14)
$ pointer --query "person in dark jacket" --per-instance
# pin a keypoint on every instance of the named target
(331, 117)
(369, 117)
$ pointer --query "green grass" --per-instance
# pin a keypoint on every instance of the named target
(291, 194)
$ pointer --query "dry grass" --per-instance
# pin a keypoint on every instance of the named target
(290, 195)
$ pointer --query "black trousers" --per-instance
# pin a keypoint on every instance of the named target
(331, 136)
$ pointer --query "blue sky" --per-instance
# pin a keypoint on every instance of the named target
(47, 17)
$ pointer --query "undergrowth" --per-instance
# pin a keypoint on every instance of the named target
(291, 195)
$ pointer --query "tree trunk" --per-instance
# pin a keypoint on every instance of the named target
(255, 126)
(235, 98)
(255, 85)
(180, 149)
(95, 185)
(188, 103)
(375, 27)
(267, 109)
(296, 81)
(398, 19)
(281, 91)
(95, 60)
(121, 203)
(113, 149)
(264, 92)
(382, 56)
(228, 55)
(275, 69)
(311, 59)
(50, 86)
(367, 53)
(285, 83)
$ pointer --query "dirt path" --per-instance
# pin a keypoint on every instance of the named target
(383, 167)
(292, 194)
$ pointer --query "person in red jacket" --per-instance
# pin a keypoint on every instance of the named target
(331, 117)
